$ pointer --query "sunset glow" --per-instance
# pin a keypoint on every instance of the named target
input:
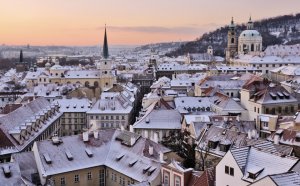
(81, 22)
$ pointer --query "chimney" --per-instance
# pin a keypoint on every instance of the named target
(96, 134)
(85, 136)
(150, 150)
(161, 157)
(209, 125)
(146, 134)
(132, 140)
(131, 128)
(276, 139)
(122, 128)
(249, 135)
(155, 137)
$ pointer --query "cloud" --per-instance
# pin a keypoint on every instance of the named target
(191, 29)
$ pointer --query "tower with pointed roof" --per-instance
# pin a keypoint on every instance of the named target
(105, 53)
(107, 75)
(232, 42)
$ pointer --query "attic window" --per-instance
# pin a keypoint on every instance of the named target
(120, 157)
(69, 155)
(297, 138)
(6, 171)
(273, 96)
(280, 95)
(224, 132)
(147, 120)
(224, 147)
(286, 95)
(47, 158)
(146, 169)
(213, 144)
(131, 164)
(151, 171)
(89, 152)
(254, 171)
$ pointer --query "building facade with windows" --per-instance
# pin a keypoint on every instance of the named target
(74, 119)
(34, 121)
(112, 110)
(243, 166)
(79, 159)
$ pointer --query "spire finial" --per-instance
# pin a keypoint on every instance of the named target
(105, 45)
(232, 22)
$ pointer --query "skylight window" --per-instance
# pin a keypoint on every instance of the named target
(89, 152)
(120, 157)
(47, 158)
(69, 155)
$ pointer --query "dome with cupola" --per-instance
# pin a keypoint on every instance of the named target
(250, 40)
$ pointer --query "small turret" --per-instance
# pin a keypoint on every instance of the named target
(250, 24)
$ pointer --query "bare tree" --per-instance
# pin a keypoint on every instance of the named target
(203, 152)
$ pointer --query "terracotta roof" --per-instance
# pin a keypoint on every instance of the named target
(10, 107)
(205, 179)
(5, 141)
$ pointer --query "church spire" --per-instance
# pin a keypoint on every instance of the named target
(21, 56)
(232, 25)
(105, 45)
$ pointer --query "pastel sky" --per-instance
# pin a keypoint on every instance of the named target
(81, 22)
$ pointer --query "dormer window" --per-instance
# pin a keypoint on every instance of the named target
(213, 143)
(254, 171)
(297, 138)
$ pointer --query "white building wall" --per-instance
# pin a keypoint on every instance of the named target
(223, 179)
(264, 182)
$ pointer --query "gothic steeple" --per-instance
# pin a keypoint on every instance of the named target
(21, 56)
(105, 46)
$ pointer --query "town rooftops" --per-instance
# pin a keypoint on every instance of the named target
(288, 179)
(113, 103)
(159, 119)
(256, 163)
(10, 174)
(101, 149)
(74, 104)
(291, 70)
(20, 127)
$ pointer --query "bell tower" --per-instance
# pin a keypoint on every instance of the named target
(232, 41)
(107, 76)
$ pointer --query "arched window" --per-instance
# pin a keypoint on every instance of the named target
(232, 40)
(252, 47)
